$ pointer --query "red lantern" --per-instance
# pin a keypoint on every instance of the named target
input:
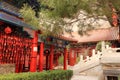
(46, 52)
(8, 30)
(114, 18)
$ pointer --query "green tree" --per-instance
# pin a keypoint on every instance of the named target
(48, 25)
(99, 45)
(53, 14)
(29, 16)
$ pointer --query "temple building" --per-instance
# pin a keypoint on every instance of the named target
(21, 46)
(88, 42)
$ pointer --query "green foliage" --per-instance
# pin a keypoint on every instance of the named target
(62, 8)
(53, 12)
(71, 9)
(99, 46)
(47, 75)
(18, 3)
(29, 16)
(68, 8)
(50, 26)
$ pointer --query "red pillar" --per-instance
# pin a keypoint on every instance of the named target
(70, 58)
(33, 63)
(41, 56)
(75, 56)
(65, 58)
(51, 57)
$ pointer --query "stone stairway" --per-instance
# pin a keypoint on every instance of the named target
(95, 67)
(88, 63)
(84, 66)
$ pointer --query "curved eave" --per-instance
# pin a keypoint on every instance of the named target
(66, 39)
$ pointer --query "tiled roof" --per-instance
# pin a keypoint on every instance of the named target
(111, 33)
(66, 38)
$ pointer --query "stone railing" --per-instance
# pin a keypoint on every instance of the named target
(111, 56)
(95, 56)
(107, 55)
(89, 62)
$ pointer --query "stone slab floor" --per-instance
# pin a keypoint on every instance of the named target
(82, 77)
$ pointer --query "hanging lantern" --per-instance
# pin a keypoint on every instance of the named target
(46, 52)
(8, 30)
(114, 19)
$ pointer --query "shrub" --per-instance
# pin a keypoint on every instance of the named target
(46, 75)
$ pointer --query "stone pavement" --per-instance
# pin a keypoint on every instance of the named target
(82, 77)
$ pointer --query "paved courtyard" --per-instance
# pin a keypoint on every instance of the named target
(81, 77)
